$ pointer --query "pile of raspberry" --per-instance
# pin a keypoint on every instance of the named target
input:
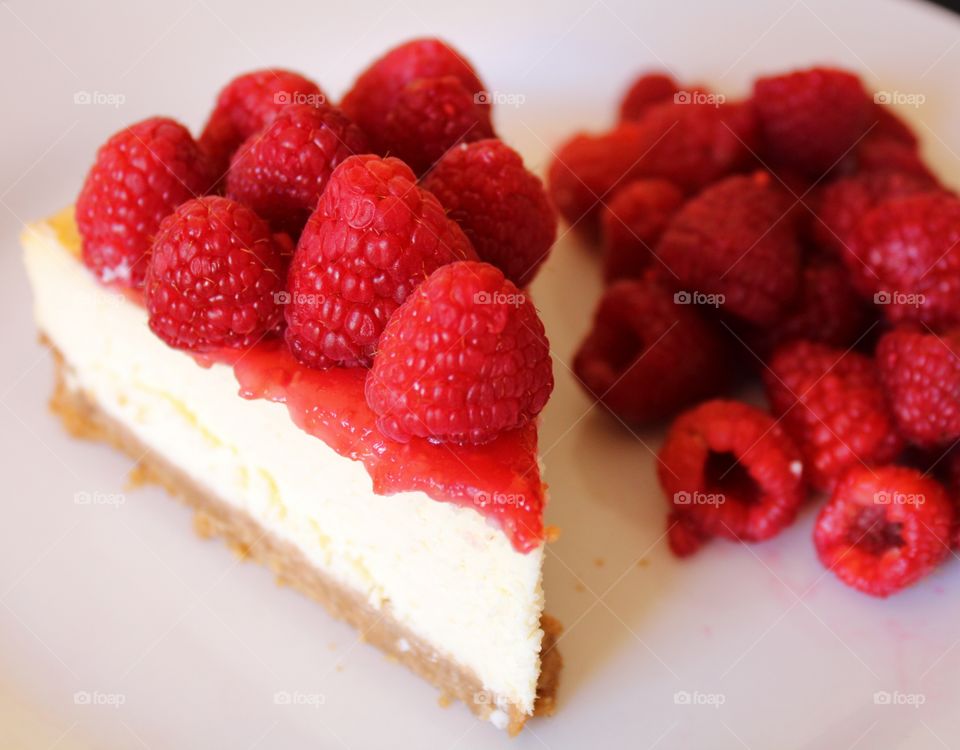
(394, 232)
(795, 236)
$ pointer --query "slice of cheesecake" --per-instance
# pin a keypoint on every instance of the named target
(434, 553)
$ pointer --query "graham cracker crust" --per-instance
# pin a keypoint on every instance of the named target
(83, 418)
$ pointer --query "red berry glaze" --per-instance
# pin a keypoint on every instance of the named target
(140, 175)
(375, 93)
(921, 374)
(831, 403)
(736, 240)
(884, 529)
(462, 360)
(501, 207)
(430, 116)
(215, 277)
(910, 250)
(732, 470)
(374, 236)
(646, 355)
(810, 119)
(647, 90)
(248, 104)
(281, 171)
(631, 225)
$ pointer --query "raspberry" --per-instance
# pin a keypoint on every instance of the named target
(809, 119)
(732, 471)
(645, 91)
(248, 104)
(921, 375)
(140, 175)
(631, 225)
(429, 116)
(825, 309)
(646, 356)
(840, 205)
(375, 92)
(684, 535)
(884, 529)
(910, 251)
(888, 124)
(214, 275)
(690, 145)
(501, 206)
(831, 403)
(281, 171)
(881, 153)
(462, 360)
(374, 236)
(734, 241)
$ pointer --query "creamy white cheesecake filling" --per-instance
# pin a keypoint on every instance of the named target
(448, 575)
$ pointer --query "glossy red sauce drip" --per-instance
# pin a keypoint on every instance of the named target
(501, 479)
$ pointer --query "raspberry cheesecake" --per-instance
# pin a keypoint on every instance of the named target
(323, 363)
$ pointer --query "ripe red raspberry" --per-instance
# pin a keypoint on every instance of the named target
(884, 154)
(214, 277)
(280, 172)
(462, 360)
(884, 529)
(921, 375)
(832, 405)
(809, 119)
(732, 471)
(374, 236)
(910, 253)
(684, 534)
(888, 124)
(825, 309)
(140, 175)
(429, 116)
(375, 92)
(248, 104)
(839, 206)
(501, 206)
(646, 355)
(736, 241)
(631, 225)
(647, 90)
(691, 145)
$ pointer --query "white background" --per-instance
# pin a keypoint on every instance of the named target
(127, 601)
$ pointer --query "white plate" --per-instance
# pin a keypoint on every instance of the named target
(128, 602)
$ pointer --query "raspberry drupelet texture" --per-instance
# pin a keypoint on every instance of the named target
(140, 176)
(281, 171)
(732, 471)
(462, 360)
(810, 119)
(248, 104)
(631, 225)
(374, 236)
(646, 355)
(691, 145)
(374, 94)
(884, 529)
(908, 249)
(501, 206)
(920, 372)
(647, 90)
(736, 240)
(832, 405)
(215, 277)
